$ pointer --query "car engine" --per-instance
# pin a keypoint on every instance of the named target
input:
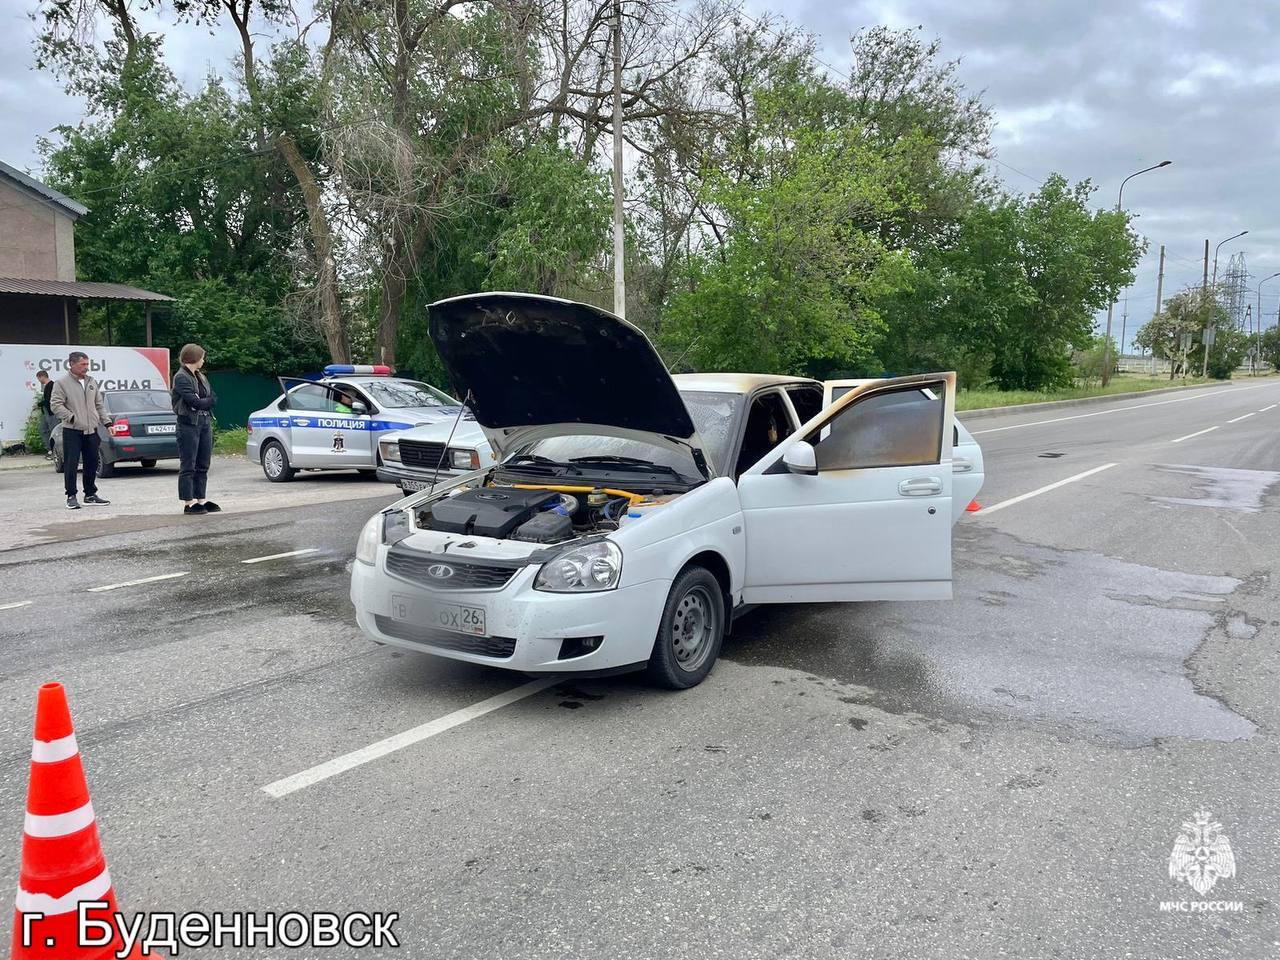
(533, 513)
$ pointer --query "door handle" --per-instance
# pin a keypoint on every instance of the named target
(920, 487)
(961, 465)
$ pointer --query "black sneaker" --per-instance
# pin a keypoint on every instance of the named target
(94, 498)
(211, 507)
(73, 503)
(194, 508)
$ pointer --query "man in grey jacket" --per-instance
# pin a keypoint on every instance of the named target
(76, 399)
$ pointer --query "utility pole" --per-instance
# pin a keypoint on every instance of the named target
(1204, 301)
(1124, 322)
(1111, 306)
(619, 214)
(1160, 284)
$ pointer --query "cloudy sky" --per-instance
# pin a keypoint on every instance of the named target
(1092, 90)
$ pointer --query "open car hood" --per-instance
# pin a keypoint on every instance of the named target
(538, 367)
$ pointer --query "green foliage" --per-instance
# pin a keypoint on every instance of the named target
(182, 201)
(230, 441)
(31, 438)
(1087, 363)
(1270, 341)
(1176, 334)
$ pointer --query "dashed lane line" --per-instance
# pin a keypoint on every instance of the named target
(15, 606)
(1245, 417)
(138, 583)
(374, 751)
(281, 556)
(1198, 433)
(1045, 489)
(1272, 407)
(1103, 413)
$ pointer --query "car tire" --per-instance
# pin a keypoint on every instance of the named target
(690, 631)
(58, 465)
(275, 462)
(148, 464)
(106, 470)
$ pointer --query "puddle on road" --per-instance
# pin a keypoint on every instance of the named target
(1083, 643)
(1223, 487)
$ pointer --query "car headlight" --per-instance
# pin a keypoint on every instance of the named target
(370, 537)
(465, 459)
(591, 567)
(390, 450)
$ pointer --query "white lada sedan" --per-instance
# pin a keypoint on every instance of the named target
(630, 514)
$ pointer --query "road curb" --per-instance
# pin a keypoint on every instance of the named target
(983, 412)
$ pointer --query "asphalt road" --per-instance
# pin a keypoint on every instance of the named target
(1003, 774)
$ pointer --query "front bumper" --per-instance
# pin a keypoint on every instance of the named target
(531, 624)
(410, 480)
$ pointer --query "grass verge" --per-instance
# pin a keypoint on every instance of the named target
(981, 399)
(230, 441)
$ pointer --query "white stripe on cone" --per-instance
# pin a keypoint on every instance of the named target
(59, 824)
(51, 751)
(94, 889)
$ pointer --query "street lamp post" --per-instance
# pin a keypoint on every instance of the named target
(1111, 307)
(1258, 320)
(1204, 336)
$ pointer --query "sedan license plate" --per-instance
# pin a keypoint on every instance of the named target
(454, 617)
(407, 485)
(162, 428)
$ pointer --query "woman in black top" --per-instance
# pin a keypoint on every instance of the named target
(193, 399)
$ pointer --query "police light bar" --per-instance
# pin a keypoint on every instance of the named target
(351, 369)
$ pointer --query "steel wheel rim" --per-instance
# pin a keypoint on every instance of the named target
(693, 629)
(273, 459)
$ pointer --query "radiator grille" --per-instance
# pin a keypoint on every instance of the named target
(500, 648)
(447, 574)
(419, 453)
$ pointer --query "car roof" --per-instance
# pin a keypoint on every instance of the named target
(734, 382)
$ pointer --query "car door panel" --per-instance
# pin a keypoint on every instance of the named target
(854, 532)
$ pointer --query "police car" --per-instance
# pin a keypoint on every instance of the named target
(334, 423)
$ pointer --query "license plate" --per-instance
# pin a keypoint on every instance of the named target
(407, 485)
(162, 428)
(454, 617)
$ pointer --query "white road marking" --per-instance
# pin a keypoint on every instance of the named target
(281, 556)
(1238, 419)
(374, 751)
(1100, 413)
(15, 606)
(1035, 493)
(1272, 407)
(136, 583)
(1196, 434)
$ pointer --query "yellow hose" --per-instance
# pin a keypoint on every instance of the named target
(634, 498)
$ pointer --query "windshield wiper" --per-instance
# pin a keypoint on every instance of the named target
(528, 458)
(641, 466)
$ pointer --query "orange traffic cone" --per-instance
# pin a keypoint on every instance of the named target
(973, 507)
(62, 863)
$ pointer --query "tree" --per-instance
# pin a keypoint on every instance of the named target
(1174, 334)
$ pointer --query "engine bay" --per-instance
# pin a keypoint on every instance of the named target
(535, 513)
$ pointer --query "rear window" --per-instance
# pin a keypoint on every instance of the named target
(138, 401)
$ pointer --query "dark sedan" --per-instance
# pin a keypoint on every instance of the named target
(143, 430)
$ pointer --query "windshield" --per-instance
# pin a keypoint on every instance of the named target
(407, 393)
(578, 453)
(138, 401)
(714, 415)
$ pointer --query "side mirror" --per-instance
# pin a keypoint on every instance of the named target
(359, 408)
(801, 459)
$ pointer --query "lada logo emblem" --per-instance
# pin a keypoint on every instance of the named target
(440, 571)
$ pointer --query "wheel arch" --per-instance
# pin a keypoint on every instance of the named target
(716, 564)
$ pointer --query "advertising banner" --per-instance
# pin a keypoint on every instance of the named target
(115, 368)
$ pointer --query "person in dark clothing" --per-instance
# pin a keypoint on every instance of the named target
(48, 419)
(193, 399)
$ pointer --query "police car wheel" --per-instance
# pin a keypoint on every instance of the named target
(275, 463)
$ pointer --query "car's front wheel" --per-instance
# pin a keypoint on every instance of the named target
(275, 462)
(690, 632)
(106, 469)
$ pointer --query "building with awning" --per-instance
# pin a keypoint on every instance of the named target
(39, 294)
